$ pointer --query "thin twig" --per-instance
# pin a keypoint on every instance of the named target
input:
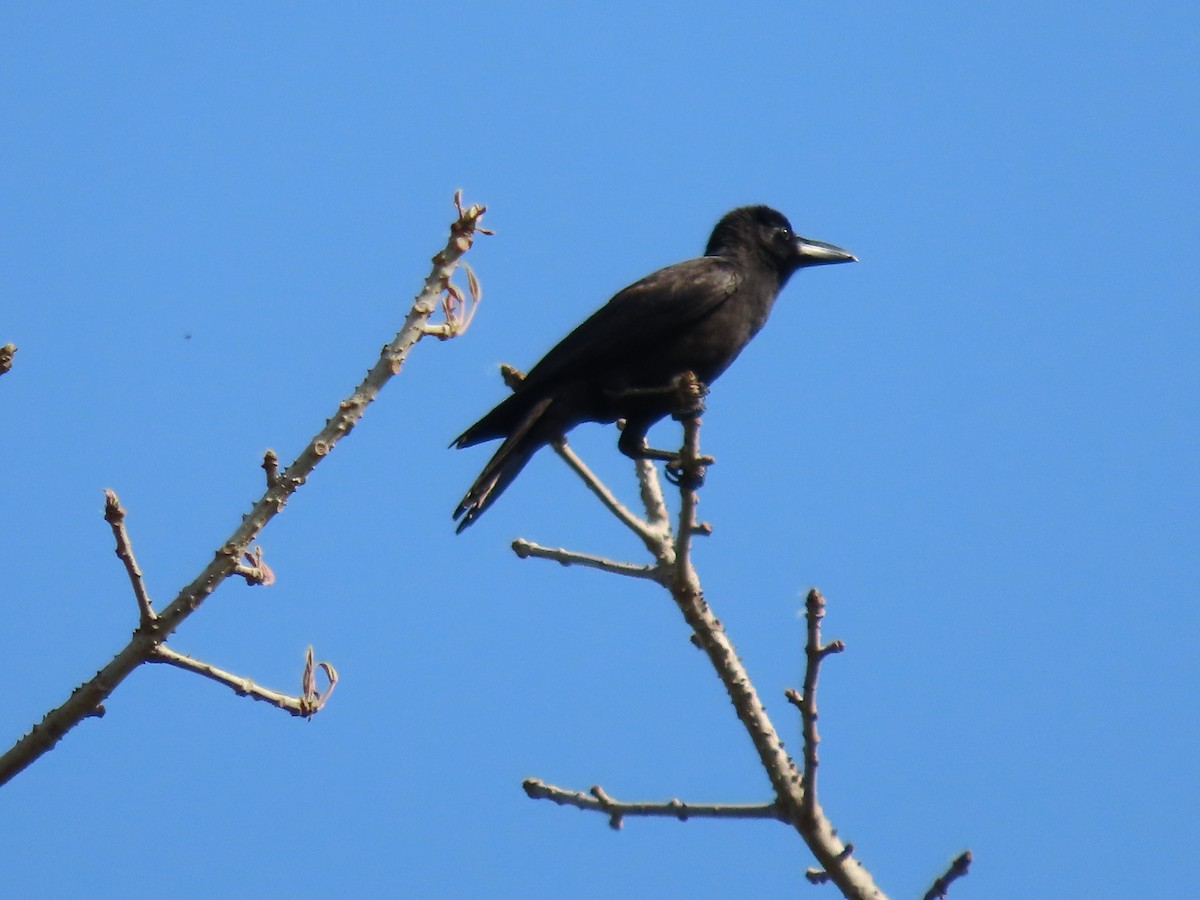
(814, 652)
(114, 515)
(957, 870)
(650, 490)
(301, 705)
(6, 357)
(525, 549)
(89, 697)
(599, 801)
(649, 534)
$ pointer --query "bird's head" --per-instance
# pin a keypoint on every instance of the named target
(768, 234)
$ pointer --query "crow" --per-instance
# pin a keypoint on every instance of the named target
(619, 364)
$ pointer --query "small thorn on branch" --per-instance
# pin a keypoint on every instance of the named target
(820, 876)
(816, 876)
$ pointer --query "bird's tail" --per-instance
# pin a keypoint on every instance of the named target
(518, 448)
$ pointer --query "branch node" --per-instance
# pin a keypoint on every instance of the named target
(608, 805)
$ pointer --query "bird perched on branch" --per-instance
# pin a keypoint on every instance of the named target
(694, 316)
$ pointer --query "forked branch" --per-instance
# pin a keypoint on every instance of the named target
(231, 556)
(795, 790)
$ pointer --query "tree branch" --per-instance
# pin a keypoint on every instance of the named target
(650, 490)
(675, 572)
(525, 549)
(815, 652)
(957, 870)
(599, 801)
(6, 357)
(114, 515)
(87, 699)
(304, 705)
(651, 534)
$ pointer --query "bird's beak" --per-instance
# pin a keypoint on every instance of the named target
(819, 253)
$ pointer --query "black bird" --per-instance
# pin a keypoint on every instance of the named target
(693, 316)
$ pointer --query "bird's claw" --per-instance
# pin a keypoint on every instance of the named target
(687, 477)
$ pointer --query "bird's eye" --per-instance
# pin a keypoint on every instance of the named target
(783, 234)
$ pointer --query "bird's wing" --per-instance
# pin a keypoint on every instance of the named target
(639, 318)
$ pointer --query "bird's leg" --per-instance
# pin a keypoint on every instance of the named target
(633, 428)
(633, 443)
(686, 395)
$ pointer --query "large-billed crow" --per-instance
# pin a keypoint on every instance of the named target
(693, 316)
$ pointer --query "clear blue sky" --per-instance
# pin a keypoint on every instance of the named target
(980, 442)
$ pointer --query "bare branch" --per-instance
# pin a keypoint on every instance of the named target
(90, 696)
(525, 549)
(676, 572)
(114, 515)
(650, 490)
(650, 535)
(6, 357)
(814, 609)
(957, 870)
(691, 467)
(598, 801)
(305, 705)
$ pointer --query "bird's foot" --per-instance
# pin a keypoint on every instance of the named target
(689, 477)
